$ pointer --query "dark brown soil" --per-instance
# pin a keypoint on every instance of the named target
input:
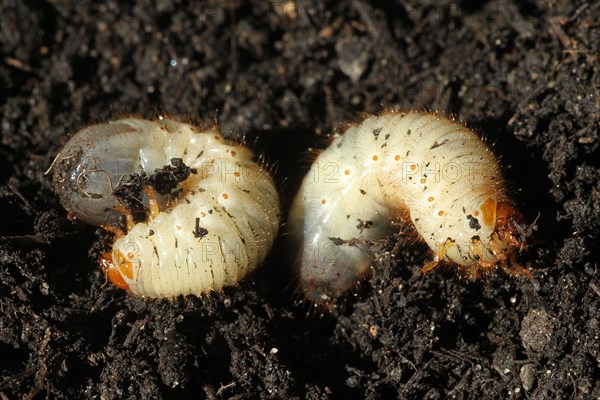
(527, 73)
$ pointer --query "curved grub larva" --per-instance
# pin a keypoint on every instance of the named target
(421, 167)
(210, 232)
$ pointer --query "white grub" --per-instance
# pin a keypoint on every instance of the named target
(220, 225)
(424, 168)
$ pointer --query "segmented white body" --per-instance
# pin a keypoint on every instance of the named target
(220, 226)
(423, 167)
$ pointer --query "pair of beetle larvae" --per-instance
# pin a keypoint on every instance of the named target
(218, 218)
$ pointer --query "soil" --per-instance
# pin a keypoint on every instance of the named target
(282, 75)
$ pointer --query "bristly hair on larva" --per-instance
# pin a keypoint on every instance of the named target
(423, 167)
(211, 212)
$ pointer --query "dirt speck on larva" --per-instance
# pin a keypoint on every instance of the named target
(523, 73)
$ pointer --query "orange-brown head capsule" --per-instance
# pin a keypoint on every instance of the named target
(510, 236)
(511, 226)
(112, 271)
